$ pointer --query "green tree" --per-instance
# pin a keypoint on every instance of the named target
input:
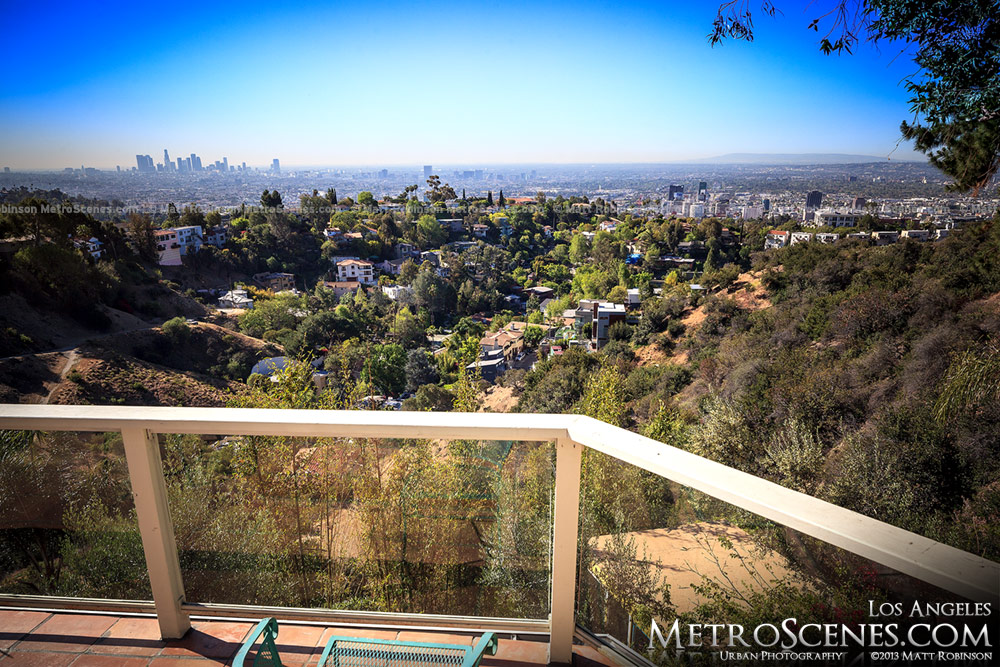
(579, 249)
(533, 336)
(420, 369)
(269, 200)
(430, 232)
(385, 369)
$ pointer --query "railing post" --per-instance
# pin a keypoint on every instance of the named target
(149, 490)
(562, 620)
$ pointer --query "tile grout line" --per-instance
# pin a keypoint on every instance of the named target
(40, 624)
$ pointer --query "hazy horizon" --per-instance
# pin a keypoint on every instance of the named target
(394, 84)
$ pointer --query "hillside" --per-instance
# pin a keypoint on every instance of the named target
(148, 367)
(834, 370)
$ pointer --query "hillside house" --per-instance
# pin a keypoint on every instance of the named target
(508, 343)
(236, 298)
(91, 246)
(776, 239)
(392, 266)
(189, 238)
(916, 234)
(341, 287)
(167, 247)
(275, 281)
(885, 237)
(358, 270)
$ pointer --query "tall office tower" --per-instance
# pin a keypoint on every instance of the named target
(534, 174)
(180, 164)
(767, 205)
(225, 164)
(144, 163)
(858, 203)
(188, 166)
(675, 192)
(814, 199)
(702, 191)
(427, 170)
(275, 166)
(384, 173)
(168, 165)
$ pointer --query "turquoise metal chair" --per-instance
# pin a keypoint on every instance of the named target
(267, 654)
(360, 652)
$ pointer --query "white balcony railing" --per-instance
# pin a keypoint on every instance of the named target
(943, 566)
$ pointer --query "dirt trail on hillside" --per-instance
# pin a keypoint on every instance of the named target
(69, 360)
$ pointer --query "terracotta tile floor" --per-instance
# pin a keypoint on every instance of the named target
(93, 640)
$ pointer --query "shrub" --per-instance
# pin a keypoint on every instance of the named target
(177, 330)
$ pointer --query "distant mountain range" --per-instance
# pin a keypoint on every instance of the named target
(790, 158)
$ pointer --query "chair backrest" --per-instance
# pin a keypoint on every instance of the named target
(267, 654)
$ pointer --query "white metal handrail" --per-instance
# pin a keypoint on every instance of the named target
(941, 565)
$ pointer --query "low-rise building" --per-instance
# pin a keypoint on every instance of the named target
(916, 234)
(342, 287)
(541, 292)
(776, 239)
(393, 266)
(508, 342)
(168, 250)
(490, 368)
(396, 292)
(189, 238)
(91, 246)
(801, 237)
(357, 270)
(827, 237)
(217, 236)
(885, 237)
(605, 315)
(826, 218)
(275, 281)
(236, 298)
(404, 250)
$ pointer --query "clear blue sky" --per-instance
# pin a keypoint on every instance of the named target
(386, 83)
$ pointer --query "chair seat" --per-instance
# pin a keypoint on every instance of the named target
(362, 652)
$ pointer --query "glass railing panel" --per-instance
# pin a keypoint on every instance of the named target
(460, 527)
(703, 562)
(67, 519)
